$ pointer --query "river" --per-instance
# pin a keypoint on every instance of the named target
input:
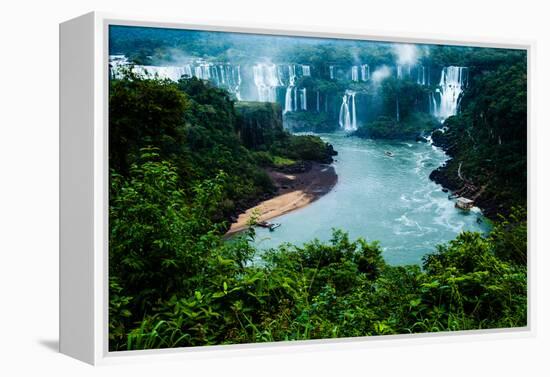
(377, 197)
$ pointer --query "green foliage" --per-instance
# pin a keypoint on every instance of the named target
(415, 125)
(184, 156)
(509, 236)
(302, 121)
(261, 129)
(308, 147)
(175, 282)
(193, 125)
(475, 285)
(403, 95)
(260, 124)
(488, 139)
(144, 112)
(280, 162)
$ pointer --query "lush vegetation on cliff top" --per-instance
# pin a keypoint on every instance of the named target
(487, 140)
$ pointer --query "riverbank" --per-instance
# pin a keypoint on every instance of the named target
(452, 177)
(294, 190)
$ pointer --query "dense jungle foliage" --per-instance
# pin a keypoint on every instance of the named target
(200, 131)
(487, 140)
(183, 156)
(174, 280)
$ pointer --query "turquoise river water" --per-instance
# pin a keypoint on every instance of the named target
(377, 197)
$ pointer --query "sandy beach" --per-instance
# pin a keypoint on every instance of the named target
(294, 191)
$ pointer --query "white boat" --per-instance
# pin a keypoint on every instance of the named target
(274, 226)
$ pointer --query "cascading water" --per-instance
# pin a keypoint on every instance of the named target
(266, 81)
(268, 77)
(445, 100)
(280, 74)
(348, 118)
(222, 71)
(289, 104)
(291, 75)
(365, 72)
(237, 88)
(318, 101)
(171, 73)
(421, 75)
(428, 76)
(403, 72)
(432, 103)
(397, 109)
(224, 75)
(303, 99)
(354, 73)
(288, 100)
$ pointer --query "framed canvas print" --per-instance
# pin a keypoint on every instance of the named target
(227, 188)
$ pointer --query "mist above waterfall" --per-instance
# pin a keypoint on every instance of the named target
(380, 74)
(406, 54)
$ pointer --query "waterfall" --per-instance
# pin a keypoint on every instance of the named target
(187, 70)
(347, 118)
(306, 70)
(421, 75)
(291, 75)
(215, 76)
(353, 113)
(451, 84)
(354, 73)
(266, 81)
(303, 99)
(365, 72)
(290, 105)
(222, 70)
(344, 118)
(429, 74)
(432, 103)
(317, 101)
(198, 72)
(237, 88)
(166, 72)
(223, 74)
(288, 100)
(331, 70)
(205, 71)
(399, 72)
(280, 75)
(397, 108)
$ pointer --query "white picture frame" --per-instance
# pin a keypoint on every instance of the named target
(84, 192)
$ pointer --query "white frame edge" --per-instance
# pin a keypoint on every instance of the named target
(84, 193)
